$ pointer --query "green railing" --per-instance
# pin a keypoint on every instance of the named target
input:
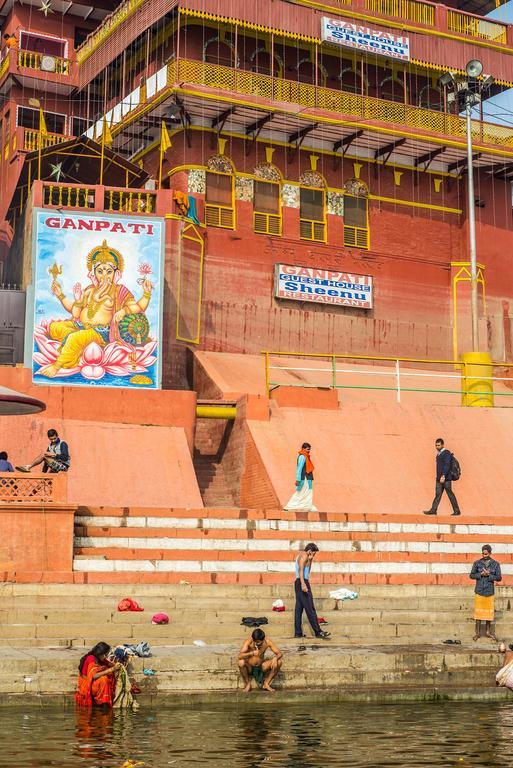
(471, 382)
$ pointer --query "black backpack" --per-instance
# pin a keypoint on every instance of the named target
(455, 468)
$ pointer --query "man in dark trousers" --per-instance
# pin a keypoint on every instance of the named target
(443, 479)
(304, 597)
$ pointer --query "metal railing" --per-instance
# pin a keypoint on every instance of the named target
(106, 28)
(31, 139)
(130, 201)
(476, 26)
(67, 196)
(397, 374)
(4, 65)
(411, 10)
(44, 62)
(343, 102)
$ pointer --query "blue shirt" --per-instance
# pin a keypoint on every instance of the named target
(5, 466)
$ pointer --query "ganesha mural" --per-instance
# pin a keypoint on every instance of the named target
(97, 300)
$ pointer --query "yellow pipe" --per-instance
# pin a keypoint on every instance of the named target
(216, 411)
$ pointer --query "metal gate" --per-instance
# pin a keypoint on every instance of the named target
(12, 325)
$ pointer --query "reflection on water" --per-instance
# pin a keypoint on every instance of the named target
(269, 735)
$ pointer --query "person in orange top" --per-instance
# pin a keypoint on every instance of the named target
(96, 678)
(11, 42)
(303, 496)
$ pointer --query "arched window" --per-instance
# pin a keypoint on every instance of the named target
(216, 51)
(431, 98)
(391, 89)
(219, 194)
(351, 80)
(356, 214)
(312, 207)
(261, 62)
(267, 218)
(305, 69)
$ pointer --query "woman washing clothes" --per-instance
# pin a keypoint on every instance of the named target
(96, 678)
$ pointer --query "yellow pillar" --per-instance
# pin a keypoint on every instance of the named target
(476, 379)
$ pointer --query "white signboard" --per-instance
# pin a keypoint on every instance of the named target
(365, 39)
(324, 286)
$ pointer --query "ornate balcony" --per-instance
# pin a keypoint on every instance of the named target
(318, 97)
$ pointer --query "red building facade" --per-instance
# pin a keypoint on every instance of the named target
(286, 148)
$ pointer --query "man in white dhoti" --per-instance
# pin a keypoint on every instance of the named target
(303, 496)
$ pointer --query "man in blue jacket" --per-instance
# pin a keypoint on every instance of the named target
(443, 479)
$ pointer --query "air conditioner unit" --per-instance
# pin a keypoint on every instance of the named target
(48, 63)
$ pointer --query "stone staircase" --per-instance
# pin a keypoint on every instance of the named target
(389, 639)
(207, 460)
(77, 615)
(255, 546)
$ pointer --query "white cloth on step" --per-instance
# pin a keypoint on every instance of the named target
(343, 594)
(302, 499)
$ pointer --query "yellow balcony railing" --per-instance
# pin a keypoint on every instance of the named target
(410, 10)
(474, 26)
(130, 201)
(344, 103)
(106, 28)
(4, 65)
(67, 196)
(44, 62)
(31, 139)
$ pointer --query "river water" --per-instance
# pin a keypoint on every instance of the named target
(270, 735)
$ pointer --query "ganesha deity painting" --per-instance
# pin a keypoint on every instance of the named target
(96, 331)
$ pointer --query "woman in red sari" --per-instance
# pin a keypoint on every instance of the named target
(96, 678)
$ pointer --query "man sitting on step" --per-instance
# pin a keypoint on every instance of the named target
(252, 664)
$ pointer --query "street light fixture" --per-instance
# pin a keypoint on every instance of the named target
(466, 93)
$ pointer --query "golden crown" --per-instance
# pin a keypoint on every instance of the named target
(103, 254)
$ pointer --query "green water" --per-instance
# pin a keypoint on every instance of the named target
(266, 735)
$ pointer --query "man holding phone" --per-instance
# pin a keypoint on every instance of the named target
(485, 572)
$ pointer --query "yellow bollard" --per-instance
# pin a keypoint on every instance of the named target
(476, 379)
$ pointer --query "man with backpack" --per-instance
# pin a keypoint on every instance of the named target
(447, 470)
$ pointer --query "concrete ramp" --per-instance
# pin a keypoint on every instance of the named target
(379, 458)
(112, 464)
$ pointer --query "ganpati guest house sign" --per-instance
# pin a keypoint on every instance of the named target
(323, 286)
(365, 39)
(97, 299)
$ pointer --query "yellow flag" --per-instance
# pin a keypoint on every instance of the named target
(165, 139)
(106, 134)
(42, 124)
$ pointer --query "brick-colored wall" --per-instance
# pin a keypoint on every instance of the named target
(256, 490)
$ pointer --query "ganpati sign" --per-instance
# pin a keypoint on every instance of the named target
(376, 41)
(97, 302)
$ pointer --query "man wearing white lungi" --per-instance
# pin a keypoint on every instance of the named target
(303, 496)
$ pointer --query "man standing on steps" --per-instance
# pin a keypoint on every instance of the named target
(485, 573)
(443, 479)
(304, 597)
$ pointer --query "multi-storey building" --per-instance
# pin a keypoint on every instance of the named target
(303, 133)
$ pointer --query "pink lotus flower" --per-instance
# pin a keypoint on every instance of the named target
(144, 269)
(116, 358)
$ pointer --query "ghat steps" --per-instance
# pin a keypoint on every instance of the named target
(389, 638)
(254, 546)
(81, 615)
